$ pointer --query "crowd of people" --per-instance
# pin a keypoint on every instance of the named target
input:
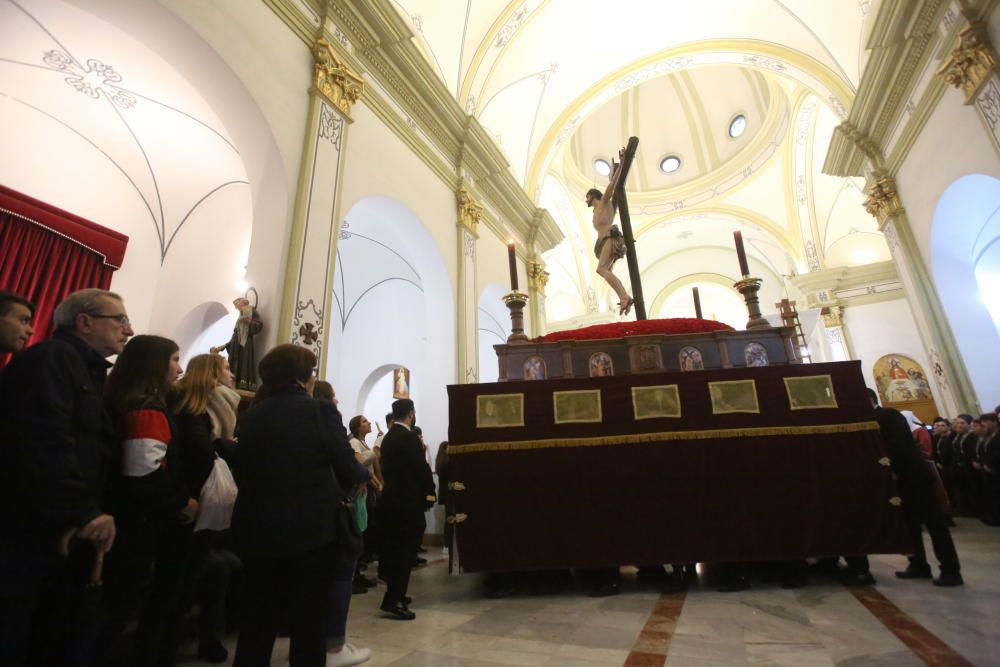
(136, 491)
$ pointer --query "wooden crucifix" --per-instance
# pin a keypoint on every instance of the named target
(612, 244)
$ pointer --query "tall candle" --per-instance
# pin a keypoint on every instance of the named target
(512, 260)
(741, 253)
(697, 302)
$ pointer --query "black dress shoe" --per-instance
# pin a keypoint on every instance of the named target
(407, 600)
(953, 579)
(398, 610)
(915, 573)
(419, 561)
(357, 588)
(369, 582)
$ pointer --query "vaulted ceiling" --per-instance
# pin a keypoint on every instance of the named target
(562, 84)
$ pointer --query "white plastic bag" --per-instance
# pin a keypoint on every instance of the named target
(218, 495)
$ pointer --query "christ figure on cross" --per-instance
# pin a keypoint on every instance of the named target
(610, 246)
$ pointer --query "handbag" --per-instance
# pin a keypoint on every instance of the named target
(217, 498)
(349, 545)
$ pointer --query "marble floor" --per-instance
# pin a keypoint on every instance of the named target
(895, 623)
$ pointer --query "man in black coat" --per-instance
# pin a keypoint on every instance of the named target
(55, 437)
(409, 491)
(920, 507)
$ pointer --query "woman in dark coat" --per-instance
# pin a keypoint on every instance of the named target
(295, 470)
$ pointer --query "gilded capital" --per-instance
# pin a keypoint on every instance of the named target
(334, 80)
(833, 316)
(883, 200)
(971, 64)
(538, 277)
(470, 212)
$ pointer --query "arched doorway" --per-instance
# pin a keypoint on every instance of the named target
(965, 259)
(393, 306)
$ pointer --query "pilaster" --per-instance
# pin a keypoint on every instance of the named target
(538, 277)
(312, 247)
(973, 69)
(952, 379)
(470, 214)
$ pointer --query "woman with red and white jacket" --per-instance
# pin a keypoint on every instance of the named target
(145, 494)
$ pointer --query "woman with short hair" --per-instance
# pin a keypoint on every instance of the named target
(295, 471)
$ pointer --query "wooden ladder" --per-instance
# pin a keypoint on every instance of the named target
(790, 318)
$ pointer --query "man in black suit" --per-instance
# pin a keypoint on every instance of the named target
(920, 507)
(409, 491)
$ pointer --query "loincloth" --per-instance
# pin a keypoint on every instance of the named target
(617, 244)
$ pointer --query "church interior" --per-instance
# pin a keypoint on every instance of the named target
(376, 176)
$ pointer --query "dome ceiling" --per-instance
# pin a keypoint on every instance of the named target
(685, 114)
(557, 93)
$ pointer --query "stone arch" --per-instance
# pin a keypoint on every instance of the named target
(393, 305)
(965, 263)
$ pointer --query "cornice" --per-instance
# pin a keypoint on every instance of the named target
(902, 38)
(845, 277)
(378, 43)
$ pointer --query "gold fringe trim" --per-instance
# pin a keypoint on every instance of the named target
(641, 438)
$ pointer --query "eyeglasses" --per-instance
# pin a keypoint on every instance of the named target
(122, 320)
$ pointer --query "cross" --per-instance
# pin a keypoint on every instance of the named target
(622, 202)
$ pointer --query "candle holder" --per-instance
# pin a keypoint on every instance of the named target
(516, 301)
(749, 287)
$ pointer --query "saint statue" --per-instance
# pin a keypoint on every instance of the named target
(610, 246)
(240, 348)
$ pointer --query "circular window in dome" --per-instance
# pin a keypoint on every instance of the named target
(602, 166)
(670, 164)
(737, 126)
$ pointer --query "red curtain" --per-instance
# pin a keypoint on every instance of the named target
(46, 253)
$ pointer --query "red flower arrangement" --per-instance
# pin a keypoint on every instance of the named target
(670, 327)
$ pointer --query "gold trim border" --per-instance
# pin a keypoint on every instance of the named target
(481, 397)
(591, 392)
(677, 395)
(643, 438)
(788, 393)
(724, 383)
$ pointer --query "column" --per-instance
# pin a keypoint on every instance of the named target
(972, 68)
(953, 384)
(537, 279)
(836, 336)
(470, 214)
(315, 225)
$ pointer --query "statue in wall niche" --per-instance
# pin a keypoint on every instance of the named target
(240, 348)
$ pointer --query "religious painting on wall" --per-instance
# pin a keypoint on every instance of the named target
(577, 407)
(601, 365)
(401, 383)
(734, 396)
(534, 368)
(903, 384)
(690, 359)
(755, 354)
(810, 392)
(656, 401)
(499, 410)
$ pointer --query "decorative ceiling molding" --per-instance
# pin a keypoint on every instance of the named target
(748, 161)
(753, 54)
(850, 286)
(373, 39)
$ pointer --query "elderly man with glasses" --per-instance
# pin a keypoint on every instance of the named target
(55, 437)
